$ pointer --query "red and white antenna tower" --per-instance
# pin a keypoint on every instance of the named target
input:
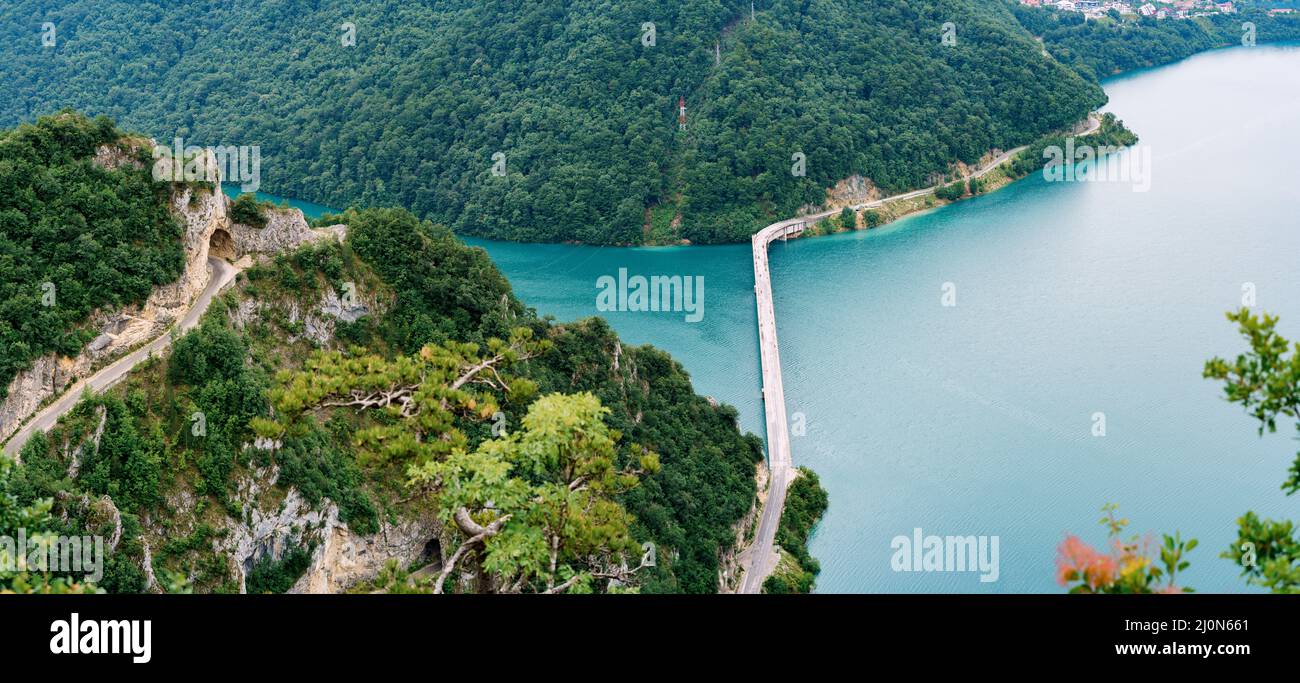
(681, 113)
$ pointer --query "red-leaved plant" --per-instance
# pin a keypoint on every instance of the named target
(1127, 567)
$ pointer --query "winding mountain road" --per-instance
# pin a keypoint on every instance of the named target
(760, 559)
(222, 274)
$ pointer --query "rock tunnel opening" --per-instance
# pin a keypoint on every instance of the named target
(221, 245)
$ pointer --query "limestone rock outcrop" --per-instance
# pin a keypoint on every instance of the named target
(286, 229)
(273, 521)
(340, 557)
(319, 322)
(201, 212)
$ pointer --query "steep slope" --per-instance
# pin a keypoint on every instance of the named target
(83, 226)
(578, 97)
(167, 465)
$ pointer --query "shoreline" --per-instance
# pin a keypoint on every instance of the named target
(928, 194)
(761, 557)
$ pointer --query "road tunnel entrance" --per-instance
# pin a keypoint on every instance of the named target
(221, 245)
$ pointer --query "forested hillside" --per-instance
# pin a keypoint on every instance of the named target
(74, 236)
(568, 443)
(447, 291)
(1112, 46)
(577, 95)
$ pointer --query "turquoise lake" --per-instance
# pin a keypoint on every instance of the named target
(1072, 298)
(309, 209)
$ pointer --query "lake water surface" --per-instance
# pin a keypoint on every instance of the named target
(1071, 299)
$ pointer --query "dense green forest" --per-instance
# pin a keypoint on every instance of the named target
(1111, 133)
(445, 290)
(1111, 46)
(805, 503)
(578, 96)
(557, 120)
(74, 236)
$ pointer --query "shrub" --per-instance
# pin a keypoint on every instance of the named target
(247, 210)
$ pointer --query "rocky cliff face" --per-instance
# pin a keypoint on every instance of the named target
(201, 212)
(343, 559)
(731, 564)
(285, 230)
(318, 322)
(272, 522)
(340, 558)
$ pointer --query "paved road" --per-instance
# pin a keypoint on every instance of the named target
(762, 556)
(760, 559)
(222, 274)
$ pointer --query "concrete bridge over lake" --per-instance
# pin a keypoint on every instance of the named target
(761, 558)
(762, 554)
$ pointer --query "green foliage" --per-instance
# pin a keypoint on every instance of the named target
(319, 468)
(1101, 49)
(685, 501)
(805, 503)
(536, 508)
(445, 290)
(789, 577)
(302, 274)
(1265, 380)
(848, 219)
(186, 563)
(123, 572)
(1127, 567)
(211, 352)
(126, 465)
(247, 210)
(174, 582)
(123, 464)
(951, 192)
(278, 576)
(1111, 133)
(34, 519)
(74, 236)
(42, 474)
(584, 113)
(776, 585)
(706, 481)
(224, 394)
(198, 539)
(542, 499)
(1268, 552)
(423, 393)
